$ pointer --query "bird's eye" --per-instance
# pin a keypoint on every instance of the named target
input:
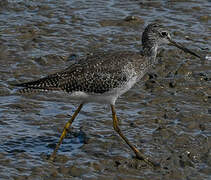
(164, 33)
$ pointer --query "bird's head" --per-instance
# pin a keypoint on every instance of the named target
(155, 34)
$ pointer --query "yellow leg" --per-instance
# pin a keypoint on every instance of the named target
(139, 155)
(67, 125)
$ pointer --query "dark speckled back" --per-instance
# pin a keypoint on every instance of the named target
(102, 72)
(98, 73)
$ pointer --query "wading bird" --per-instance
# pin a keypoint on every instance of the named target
(103, 77)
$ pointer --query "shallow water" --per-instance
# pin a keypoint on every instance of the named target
(169, 120)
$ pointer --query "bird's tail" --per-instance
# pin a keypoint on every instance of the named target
(34, 87)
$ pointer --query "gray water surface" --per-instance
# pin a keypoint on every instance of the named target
(170, 120)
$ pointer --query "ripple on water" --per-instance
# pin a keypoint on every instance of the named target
(168, 117)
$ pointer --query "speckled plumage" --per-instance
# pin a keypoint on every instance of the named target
(103, 77)
(98, 73)
(108, 74)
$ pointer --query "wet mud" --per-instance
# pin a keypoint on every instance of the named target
(167, 115)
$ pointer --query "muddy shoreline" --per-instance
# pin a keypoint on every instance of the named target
(167, 116)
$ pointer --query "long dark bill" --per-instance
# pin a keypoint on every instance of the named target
(184, 48)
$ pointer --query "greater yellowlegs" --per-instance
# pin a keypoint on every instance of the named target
(103, 77)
